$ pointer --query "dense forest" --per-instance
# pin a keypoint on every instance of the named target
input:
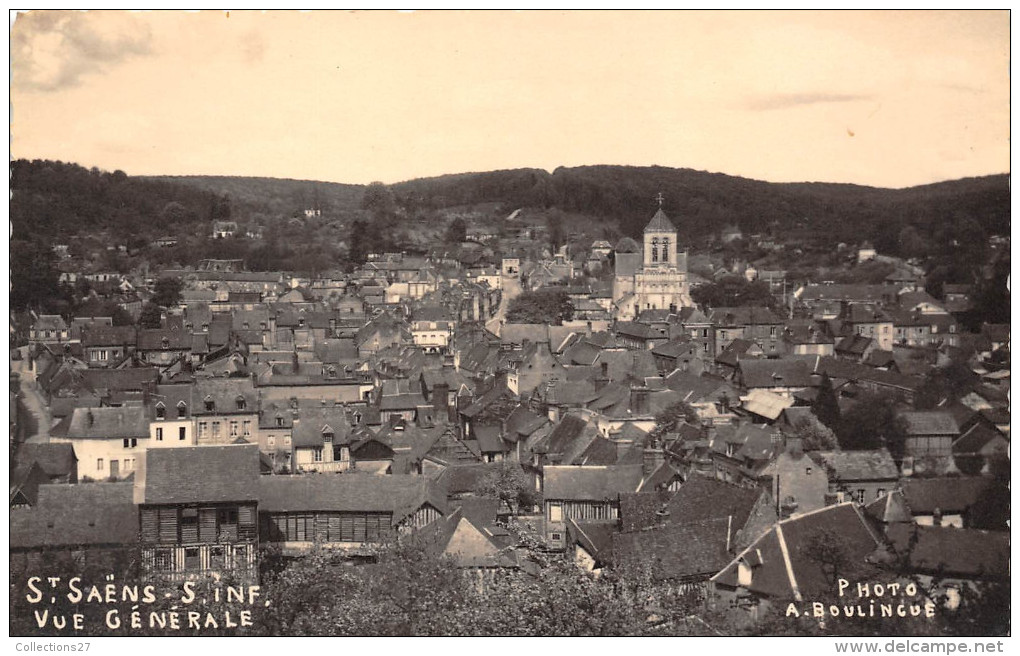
(53, 199)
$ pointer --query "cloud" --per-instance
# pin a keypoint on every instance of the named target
(53, 50)
(789, 100)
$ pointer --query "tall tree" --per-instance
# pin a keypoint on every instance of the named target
(543, 306)
(167, 292)
(826, 405)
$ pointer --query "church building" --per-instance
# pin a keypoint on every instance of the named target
(653, 277)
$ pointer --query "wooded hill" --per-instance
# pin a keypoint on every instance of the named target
(56, 199)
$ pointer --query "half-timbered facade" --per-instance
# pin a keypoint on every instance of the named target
(197, 510)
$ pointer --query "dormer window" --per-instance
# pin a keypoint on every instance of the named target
(279, 420)
(182, 410)
(166, 343)
(241, 403)
(327, 434)
(210, 405)
(160, 411)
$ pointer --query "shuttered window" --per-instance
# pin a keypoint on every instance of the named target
(150, 525)
(207, 524)
(168, 525)
(189, 525)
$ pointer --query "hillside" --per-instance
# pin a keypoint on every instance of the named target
(52, 199)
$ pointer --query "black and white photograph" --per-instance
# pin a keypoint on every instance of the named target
(462, 323)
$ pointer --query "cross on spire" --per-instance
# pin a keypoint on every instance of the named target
(659, 197)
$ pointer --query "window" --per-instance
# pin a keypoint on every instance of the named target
(556, 537)
(192, 561)
(859, 496)
(182, 410)
(327, 436)
(279, 420)
(159, 435)
(772, 331)
(215, 429)
(210, 405)
(160, 411)
(130, 442)
(880, 492)
(163, 560)
(317, 455)
(233, 429)
(555, 512)
(203, 429)
(271, 441)
(246, 427)
(808, 471)
(99, 464)
(241, 403)
(182, 433)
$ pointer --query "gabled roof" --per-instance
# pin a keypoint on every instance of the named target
(774, 373)
(77, 515)
(677, 551)
(949, 494)
(201, 474)
(930, 422)
(574, 483)
(396, 494)
(951, 551)
(766, 404)
(703, 497)
(781, 561)
(870, 465)
(56, 459)
(103, 423)
(890, 508)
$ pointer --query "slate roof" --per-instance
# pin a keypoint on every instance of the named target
(568, 482)
(948, 494)
(951, 551)
(201, 474)
(676, 551)
(640, 510)
(100, 335)
(703, 497)
(596, 537)
(774, 373)
(890, 508)
(107, 423)
(660, 223)
(307, 427)
(224, 394)
(743, 316)
(56, 459)
(782, 558)
(77, 515)
(870, 465)
(350, 492)
(930, 422)
(976, 438)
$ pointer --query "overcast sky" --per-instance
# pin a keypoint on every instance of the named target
(886, 99)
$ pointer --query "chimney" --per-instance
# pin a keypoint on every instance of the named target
(788, 507)
(651, 459)
(936, 517)
(639, 400)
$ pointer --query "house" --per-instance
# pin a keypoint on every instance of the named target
(946, 500)
(929, 433)
(108, 442)
(171, 423)
(107, 346)
(96, 524)
(866, 252)
(781, 377)
(977, 447)
(471, 543)
(197, 509)
(347, 512)
(584, 493)
(224, 410)
(860, 476)
(782, 565)
(320, 439)
(683, 354)
(755, 324)
(951, 560)
(48, 329)
(223, 229)
(867, 320)
(57, 460)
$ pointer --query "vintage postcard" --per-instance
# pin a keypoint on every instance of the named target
(510, 323)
